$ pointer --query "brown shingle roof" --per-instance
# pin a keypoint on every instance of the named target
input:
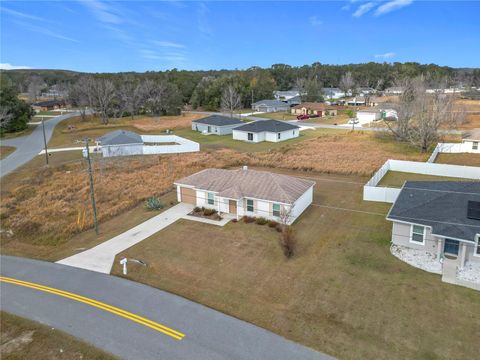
(236, 184)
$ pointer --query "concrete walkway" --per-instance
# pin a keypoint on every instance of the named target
(100, 258)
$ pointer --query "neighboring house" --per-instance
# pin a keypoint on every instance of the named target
(356, 101)
(471, 143)
(313, 108)
(366, 116)
(394, 90)
(245, 192)
(270, 106)
(216, 124)
(120, 143)
(291, 97)
(441, 218)
(332, 93)
(48, 105)
(366, 90)
(266, 130)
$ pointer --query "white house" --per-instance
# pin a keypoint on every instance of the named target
(216, 124)
(471, 143)
(366, 116)
(266, 130)
(245, 192)
(333, 93)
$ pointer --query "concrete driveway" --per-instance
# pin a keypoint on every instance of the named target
(100, 258)
(27, 147)
(132, 320)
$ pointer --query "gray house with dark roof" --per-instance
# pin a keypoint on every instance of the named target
(441, 218)
(120, 143)
(266, 130)
(270, 106)
(216, 124)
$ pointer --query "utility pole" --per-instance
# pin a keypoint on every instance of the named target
(92, 192)
(44, 140)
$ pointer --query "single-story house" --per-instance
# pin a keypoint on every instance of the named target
(394, 90)
(366, 90)
(270, 106)
(245, 192)
(313, 108)
(471, 142)
(356, 101)
(120, 143)
(441, 218)
(48, 105)
(284, 95)
(366, 116)
(216, 124)
(333, 93)
(266, 130)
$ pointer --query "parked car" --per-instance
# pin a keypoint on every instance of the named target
(353, 121)
(303, 117)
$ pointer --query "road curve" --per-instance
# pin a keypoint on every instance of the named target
(208, 334)
(27, 147)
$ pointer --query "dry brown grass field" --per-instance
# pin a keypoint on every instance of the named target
(459, 159)
(5, 151)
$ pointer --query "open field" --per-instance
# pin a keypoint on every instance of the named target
(397, 178)
(467, 159)
(342, 292)
(123, 183)
(71, 132)
(281, 115)
(25, 339)
(5, 151)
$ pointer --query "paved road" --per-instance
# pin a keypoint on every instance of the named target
(27, 147)
(209, 334)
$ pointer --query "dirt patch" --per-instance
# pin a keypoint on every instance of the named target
(17, 343)
(165, 122)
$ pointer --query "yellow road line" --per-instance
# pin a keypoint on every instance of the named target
(106, 307)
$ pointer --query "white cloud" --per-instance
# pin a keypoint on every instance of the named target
(43, 30)
(363, 9)
(202, 19)
(22, 15)
(391, 6)
(315, 21)
(103, 12)
(387, 55)
(168, 44)
(7, 66)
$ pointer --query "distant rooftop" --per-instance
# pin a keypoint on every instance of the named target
(218, 120)
(267, 125)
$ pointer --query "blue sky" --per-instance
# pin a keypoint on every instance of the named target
(98, 36)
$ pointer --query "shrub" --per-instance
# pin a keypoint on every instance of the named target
(279, 227)
(248, 219)
(287, 242)
(196, 209)
(209, 212)
(234, 220)
(153, 203)
(272, 223)
(261, 221)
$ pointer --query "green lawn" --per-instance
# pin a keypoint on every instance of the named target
(26, 339)
(397, 178)
(342, 293)
(212, 142)
(281, 115)
(5, 151)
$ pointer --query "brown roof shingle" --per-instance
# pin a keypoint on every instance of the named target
(236, 184)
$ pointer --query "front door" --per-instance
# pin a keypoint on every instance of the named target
(451, 247)
(232, 206)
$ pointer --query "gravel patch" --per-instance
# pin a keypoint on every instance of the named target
(417, 258)
(470, 272)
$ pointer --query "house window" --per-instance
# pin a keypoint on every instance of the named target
(475, 145)
(293, 132)
(276, 210)
(477, 247)
(418, 234)
(211, 198)
(250, 136)
(250, 205)
(279, 135)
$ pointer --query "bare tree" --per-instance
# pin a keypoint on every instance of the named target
(131, 97)
(347, 83)
(230, 99)
(102, 93)
(5, 117)
(35, 86)
(80, 95)
(300, 85)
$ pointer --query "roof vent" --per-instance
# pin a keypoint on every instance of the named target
(473, 210)
(245, 167)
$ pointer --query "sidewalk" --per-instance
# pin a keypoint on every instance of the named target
(100, 258)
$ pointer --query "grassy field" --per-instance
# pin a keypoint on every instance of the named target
(341, 293)
(281, 115)
(5, 151)
(25, 339)
(459, 159)
(397, 178)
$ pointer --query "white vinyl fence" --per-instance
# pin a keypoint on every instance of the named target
(372, 192)
(452, 148)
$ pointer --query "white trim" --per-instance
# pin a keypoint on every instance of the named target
(423, 238)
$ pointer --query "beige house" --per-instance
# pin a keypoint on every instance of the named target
(311, 108)
(245, 192)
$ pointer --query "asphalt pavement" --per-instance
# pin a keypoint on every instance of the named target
(206, 334)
